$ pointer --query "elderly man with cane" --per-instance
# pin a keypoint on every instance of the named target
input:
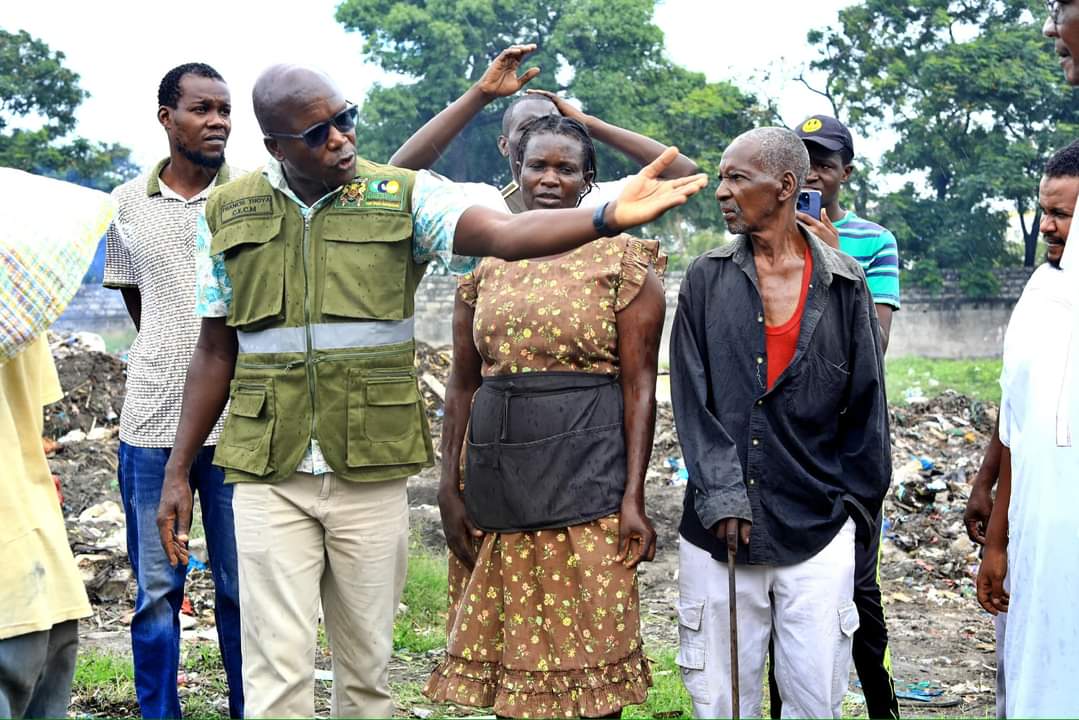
(778, 392)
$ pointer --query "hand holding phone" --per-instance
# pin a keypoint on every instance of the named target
(809, 202)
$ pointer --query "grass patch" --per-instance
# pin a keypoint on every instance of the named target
(668, 695)
(98, 670)
(975, 378)
(422, 626)
(104, 684)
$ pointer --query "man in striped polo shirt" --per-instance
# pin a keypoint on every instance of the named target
(150, 258)
(831, 154)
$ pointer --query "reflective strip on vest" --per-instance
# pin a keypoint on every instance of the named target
(327, 336)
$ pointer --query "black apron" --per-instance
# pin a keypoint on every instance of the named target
(545, 450)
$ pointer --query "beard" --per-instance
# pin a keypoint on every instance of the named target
(201, 159)
(1052, 244)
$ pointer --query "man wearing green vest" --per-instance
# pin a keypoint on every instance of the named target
(306, 286)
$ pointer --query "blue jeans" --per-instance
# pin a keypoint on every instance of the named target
(155, 628)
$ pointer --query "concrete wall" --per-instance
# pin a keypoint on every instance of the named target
(945, 325)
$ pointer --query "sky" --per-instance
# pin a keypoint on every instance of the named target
(121, 48)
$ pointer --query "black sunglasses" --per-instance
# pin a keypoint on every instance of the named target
(317, 135)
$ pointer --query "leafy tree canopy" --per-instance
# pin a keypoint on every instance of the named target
(978, 101)
(35, 84)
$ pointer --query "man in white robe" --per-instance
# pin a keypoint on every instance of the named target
(1036, 540)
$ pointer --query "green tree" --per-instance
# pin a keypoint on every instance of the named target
(608, 54)
(978, 102)
(35, 86)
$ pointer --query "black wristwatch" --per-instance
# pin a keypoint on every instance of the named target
(600, 224)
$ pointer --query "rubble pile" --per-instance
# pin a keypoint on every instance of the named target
(433, 371)
(93, 383)
(937, 447)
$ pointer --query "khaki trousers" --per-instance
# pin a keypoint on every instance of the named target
(307, 536)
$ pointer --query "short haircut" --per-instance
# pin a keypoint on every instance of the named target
(558, 125)
(1064, 162)
(507, 116)
(780, 151)
(168, 92)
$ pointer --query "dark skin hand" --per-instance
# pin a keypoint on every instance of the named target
(206, 392)
(980, 504)
(501, 79)
(640, 326)
(994, 567)
(423, 149)
(133, 303)
(464, 381)
(482, 232)
(639, 148)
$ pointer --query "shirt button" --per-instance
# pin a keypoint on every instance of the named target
(760, 318)
(756, 442)
(752, 481)
(760, 402)
(760, 360)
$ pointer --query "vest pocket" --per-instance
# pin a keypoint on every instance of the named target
(245, 439)
(367, 257)
(256, 269)
(385, 418)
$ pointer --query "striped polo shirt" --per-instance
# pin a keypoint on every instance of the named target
(875, 249)
(150, 246)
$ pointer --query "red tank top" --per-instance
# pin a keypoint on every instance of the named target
(780, 342)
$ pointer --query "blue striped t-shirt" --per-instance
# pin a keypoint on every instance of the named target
(875, 248)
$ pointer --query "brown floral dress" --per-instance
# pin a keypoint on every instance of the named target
(548, 624)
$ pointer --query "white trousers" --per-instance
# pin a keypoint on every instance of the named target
(807, 607)
(309, 537)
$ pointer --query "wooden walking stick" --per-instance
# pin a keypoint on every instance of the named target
(732, 603)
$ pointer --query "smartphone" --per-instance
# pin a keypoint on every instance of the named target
(809, 203)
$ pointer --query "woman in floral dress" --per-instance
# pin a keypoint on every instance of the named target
(545, 622)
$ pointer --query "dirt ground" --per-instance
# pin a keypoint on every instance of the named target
(941, 641)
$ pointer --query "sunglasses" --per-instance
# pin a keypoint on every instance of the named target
(317, 135)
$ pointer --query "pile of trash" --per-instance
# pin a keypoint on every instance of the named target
(433, 371)
(80, 430)
(937, 448)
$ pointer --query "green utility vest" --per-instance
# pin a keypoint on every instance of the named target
(323, 312)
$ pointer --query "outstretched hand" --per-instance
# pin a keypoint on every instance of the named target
(565, 109)
(501, 78)
(646, 196)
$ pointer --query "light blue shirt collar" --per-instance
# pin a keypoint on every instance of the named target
(274, 172)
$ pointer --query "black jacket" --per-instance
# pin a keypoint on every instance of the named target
(798, 459)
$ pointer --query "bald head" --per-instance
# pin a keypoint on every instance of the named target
(283, 91)
(777, 150)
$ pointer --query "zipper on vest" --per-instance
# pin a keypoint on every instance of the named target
(355, 355)
(270, 366)
(308, 355)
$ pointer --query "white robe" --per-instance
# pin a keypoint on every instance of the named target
(1038, 402)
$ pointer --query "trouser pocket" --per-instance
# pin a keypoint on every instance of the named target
(693, 650)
